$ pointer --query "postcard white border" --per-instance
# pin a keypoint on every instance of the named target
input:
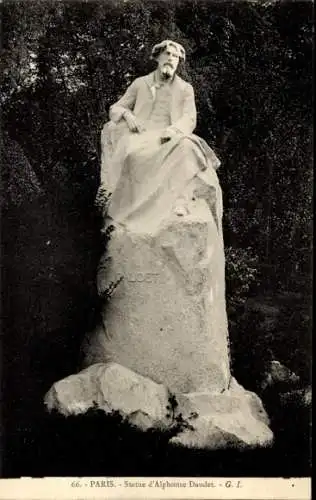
(159, 488)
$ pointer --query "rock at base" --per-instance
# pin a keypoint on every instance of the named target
(111, 387)
(232, 418)
(166, 319)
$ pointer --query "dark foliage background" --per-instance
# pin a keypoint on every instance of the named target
(63, 64)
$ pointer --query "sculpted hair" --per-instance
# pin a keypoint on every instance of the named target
(160, 47)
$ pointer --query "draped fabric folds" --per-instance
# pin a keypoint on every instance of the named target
(146, 176)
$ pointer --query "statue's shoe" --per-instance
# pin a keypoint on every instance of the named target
(181, 210)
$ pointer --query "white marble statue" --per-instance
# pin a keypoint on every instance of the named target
(164, 330)
(149, 151)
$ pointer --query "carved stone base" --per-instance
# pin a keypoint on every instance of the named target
(167, 318)
(234, 418)
(162, 344)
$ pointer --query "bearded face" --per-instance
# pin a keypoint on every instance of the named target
(168, 61)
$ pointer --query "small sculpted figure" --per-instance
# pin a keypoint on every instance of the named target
(149, 152)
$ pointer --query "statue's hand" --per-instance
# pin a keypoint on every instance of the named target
(164, 139)
(168, 134)
(133, 124)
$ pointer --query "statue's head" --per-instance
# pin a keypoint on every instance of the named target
(168, 55)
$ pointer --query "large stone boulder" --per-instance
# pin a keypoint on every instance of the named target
(111, 387)
(208, 420)
(234, 418)
(163, 338)
(166, 319)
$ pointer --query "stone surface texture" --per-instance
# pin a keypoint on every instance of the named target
(111, 387)
(166, 319)
(233, 418)
(164, 333)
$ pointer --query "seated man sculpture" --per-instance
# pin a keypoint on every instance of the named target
(164, 329)
(149, 151)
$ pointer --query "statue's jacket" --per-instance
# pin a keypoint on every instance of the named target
(140, 97)
(144, 176)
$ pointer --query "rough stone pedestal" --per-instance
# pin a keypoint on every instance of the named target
(166, 319)
(234, 418)
(164, 335)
